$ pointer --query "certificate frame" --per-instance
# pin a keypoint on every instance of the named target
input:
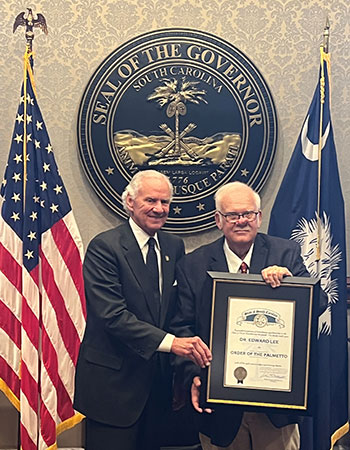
(280, 324)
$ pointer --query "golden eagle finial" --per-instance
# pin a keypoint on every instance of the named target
(30, 22)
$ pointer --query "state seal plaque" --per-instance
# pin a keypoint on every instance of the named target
(185, 103)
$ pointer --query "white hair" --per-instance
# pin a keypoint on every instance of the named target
(135, 184)
(230, 187)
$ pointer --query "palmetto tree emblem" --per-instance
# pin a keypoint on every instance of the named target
(175, 94)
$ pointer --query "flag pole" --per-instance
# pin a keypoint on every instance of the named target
(326, 36)
(324, 49)
(29, 22)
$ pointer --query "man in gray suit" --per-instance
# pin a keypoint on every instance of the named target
(123, 376)
(242, 248)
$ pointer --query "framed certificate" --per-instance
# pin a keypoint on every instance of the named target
(262, 342)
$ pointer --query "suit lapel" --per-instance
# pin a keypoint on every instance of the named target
(260, 254)
(168, 261)
(135, 260)
(218, 261)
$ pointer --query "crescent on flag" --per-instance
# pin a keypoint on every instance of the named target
(310, 150)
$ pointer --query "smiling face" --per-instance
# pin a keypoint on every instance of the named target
(241, 234)
(150, 207)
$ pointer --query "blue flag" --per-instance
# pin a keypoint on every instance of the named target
(309, 209)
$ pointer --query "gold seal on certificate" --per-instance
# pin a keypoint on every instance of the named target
(240, 373)
(260, 320)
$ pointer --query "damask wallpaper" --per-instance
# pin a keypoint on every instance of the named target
(281, 37)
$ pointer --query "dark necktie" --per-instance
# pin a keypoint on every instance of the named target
(152, 264)
(243, 268)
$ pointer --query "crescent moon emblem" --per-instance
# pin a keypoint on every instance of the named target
(310, 150)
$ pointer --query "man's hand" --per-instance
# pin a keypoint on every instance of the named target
(273, 275)
(195, 390)
(192, 348)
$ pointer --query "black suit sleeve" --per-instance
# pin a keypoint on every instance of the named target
(106, 277)
(298, 268)
(184, 323)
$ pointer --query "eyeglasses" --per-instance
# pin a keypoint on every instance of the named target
(233, 217)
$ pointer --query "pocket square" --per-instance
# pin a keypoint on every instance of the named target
(175, 283)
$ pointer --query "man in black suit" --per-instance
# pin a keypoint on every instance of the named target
(242, 248)
(123, 376)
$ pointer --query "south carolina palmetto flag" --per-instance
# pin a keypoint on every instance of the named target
(42, 304)
(309, 208)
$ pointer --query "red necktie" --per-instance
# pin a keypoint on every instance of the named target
(243, 268)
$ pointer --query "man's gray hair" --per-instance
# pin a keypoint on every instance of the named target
(135, 184)
(227, 188)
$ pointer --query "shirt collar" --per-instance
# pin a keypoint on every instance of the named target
(140, 235)
(233, 261)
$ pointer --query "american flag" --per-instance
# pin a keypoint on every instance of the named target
(42, 303)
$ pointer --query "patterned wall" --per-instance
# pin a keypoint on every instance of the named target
(281, 37)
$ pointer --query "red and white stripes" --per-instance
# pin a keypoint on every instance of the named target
(42, 321)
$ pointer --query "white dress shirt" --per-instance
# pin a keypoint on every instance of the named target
(233, 261)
